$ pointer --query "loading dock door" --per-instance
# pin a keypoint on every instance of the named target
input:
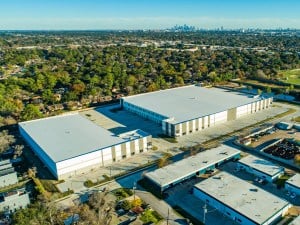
(231, 115)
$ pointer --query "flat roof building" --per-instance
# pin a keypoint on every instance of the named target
(240, 200)
(261, 168)
(71, 144)
(177, 172)
(8, 175)
(293, 184)
(13, 200)
(188, 109)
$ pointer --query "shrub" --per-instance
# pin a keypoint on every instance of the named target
(88, 183)
(49, 186)
(136, 202)
(150, 216)
(154, 148)
(106, 178)
(126, 205)
(128, 191)
(297, 159)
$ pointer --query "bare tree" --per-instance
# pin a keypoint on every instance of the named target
(32, 172)
(103, 208)
(6, 140)
(18, 150)
(87, 215)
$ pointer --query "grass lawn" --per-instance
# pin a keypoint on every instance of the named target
(291, 76)
(297, 119)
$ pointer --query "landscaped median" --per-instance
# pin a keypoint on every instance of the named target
(48, 189)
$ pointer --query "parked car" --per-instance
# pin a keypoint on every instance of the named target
(293, 195)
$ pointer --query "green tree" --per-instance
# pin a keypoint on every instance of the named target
(126, 205)
(268, 89)
(152, 87)
(148, 216)
(48, 96)
(2, 71)
(131, 80)
(297, 159)
(179, 80)
(78, 87)
(30, 112)
(259, 92)
(182, 66)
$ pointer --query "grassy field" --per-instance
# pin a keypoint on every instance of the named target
(263, 85)
(291, 76)
(297, 119)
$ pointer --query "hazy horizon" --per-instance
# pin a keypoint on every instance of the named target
(143, 14)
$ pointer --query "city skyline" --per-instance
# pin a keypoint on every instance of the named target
(133, 14)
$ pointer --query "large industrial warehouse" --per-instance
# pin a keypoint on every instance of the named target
(241, 201)
(185, 110)
(170, 175)
(71, 144)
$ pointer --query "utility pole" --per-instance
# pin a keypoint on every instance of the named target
(204, 213)
(134, 187)
(168, 216)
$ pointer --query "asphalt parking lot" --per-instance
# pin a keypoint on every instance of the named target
(120, 121)
(76, 183)
(285, 149)
(230, 126)
(180, 195)
(277, 134)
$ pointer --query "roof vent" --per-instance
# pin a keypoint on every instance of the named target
(224, 153)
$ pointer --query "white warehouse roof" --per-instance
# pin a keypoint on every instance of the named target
(243, 197)
(294, 180)
(183, 168)
(261, 165)
(189, 102)
(67, 136)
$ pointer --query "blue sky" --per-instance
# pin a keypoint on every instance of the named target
(148, 14)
